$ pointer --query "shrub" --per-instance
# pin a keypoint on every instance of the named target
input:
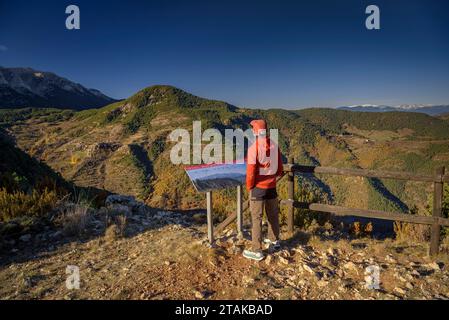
(18, 203)
(157, 147)
(412, 232)
(416, 232)
(360, 230)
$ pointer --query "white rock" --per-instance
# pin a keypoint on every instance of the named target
(283, 260)
(322, 283)
(285, 253)
(268, 260)
(399, 290)
(247, 280)
(307, 268)
(415, 273)
(350, 266)
(433, 266)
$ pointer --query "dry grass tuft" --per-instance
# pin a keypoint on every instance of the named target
(116, 227)
(411, 232)
(112, 233)
(75, 220)
(121, 223)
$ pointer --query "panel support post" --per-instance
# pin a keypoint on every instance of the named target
(239, 211)
(436, 212)
(210, 223)
(291, 195)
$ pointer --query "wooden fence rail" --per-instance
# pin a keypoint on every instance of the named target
(438, 177)
(435, 221)
(375, 214)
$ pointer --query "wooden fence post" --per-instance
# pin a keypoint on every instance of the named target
(437, 210)
(291, 195)
(239, 211)
(210, 222)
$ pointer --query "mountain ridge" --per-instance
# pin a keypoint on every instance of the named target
(27, 87)
(432, 110)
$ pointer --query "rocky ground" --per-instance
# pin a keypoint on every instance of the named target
(164, 255)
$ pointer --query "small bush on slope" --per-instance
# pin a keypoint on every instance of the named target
(19, 203)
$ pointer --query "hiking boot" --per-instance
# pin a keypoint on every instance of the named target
(253, 255)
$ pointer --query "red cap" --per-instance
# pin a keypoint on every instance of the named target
(258, 125)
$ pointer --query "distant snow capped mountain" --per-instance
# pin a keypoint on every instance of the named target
(26, 87)
(427, 109)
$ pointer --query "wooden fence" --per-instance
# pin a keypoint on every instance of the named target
(435, 221)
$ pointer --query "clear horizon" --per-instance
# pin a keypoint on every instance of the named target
(255, 54)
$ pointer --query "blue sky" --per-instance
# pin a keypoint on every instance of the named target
(249, 53)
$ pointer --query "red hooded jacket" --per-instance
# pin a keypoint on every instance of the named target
(261, 172)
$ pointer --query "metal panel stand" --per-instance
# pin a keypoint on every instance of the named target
(239, 212)
(210, 224)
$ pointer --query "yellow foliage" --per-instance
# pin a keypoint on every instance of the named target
(18, 203)
(411, 232)
(359, 229)
(74, 160)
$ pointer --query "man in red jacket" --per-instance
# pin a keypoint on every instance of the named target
(264, 166)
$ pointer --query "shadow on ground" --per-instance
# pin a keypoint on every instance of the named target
(46, 236)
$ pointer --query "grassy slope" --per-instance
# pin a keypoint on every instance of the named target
(19, 166)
